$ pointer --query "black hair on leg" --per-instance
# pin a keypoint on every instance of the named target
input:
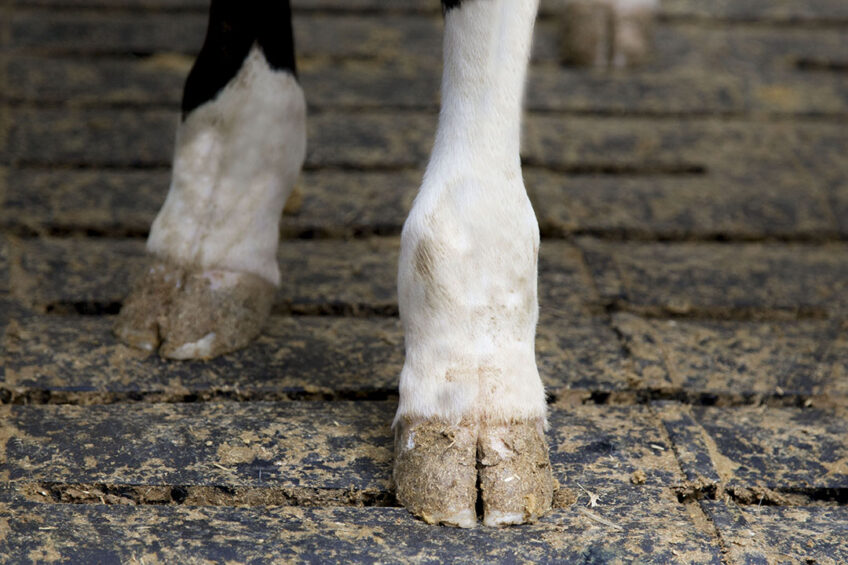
(234, 27)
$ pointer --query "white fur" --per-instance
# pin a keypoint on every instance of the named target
(236, 160)
(467, 274)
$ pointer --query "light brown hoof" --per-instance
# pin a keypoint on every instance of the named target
(516, 484)
(193, 314)
(146, 308)
(436, 471)
(442, 469)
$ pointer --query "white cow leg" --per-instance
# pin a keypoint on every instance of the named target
(471, 400)
(214, 271)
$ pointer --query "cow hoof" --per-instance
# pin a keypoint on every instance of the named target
(437, 466)
(607, 33)
(436, 471)
(194, 314)
(145, 310)
(516, 484)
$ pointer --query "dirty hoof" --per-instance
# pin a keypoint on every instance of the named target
(436, 473)
(194, 314)
(516, 484)
(217, 312)
(437, 466)
(147, 306)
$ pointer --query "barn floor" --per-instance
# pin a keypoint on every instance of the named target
(693, 282)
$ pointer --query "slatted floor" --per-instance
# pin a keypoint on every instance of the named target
(693, 282)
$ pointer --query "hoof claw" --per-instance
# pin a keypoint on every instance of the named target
(437, 466)
(194, 314)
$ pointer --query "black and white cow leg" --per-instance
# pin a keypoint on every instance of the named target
(471, 400)
(239, 149)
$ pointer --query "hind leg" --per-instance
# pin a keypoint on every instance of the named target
(240, 146)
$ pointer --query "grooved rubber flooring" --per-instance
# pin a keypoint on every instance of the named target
(693, 336)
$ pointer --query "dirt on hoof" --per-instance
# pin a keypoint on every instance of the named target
(217, 312)
(194, 314)
(440, 469)
(516, 484)
(147, 306)
(435, 471)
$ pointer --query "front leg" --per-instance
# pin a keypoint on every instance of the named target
(472, 406)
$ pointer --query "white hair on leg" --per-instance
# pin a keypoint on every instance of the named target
(467, 277)
(214, 242)
(467, 288)
(236, 160)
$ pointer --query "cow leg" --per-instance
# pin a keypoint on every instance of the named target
(471, 400)
(240, 145)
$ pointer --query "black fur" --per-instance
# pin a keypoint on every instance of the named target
(233, 29)
(450, 4)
